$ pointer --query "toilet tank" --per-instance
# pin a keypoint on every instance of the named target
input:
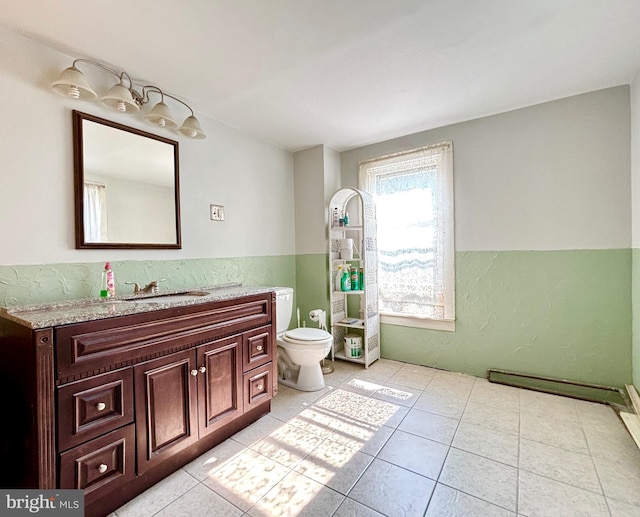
(284, 307)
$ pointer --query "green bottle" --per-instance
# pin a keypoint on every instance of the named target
(104, 290)
(355, 284)
(345, 283)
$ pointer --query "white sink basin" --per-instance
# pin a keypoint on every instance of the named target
(171, 298)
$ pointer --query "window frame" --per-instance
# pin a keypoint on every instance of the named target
(447, 323)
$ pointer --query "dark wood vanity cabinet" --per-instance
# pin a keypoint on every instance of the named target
(114, 405)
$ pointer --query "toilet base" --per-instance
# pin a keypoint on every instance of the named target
(308, 378)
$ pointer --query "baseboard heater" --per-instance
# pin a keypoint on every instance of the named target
(616, 397)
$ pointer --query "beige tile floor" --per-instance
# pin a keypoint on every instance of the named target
(405, 440)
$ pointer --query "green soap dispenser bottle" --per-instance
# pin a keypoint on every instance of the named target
(103, 285)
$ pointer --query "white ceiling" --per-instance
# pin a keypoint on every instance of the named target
(346, 73)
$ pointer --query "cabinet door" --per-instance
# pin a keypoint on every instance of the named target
(219, 383)
(166, 406)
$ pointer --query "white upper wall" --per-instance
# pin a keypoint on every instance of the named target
(309, 200)
(552, 176)
(252, 179)
(331, 177)
(317, 177)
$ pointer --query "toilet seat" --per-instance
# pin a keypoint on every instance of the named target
(305, 336)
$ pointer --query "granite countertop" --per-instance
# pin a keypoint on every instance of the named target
(77, 311)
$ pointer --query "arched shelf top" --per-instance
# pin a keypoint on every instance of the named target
(341, 197)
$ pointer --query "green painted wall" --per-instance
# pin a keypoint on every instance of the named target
(312, 291)
(635, 348)
(53, 282)
(563, 314)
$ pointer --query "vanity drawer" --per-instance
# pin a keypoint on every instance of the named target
(101, 465)
(258, 348)
(258, 386)
(94, 406)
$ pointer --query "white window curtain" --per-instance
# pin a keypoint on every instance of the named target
(95, 213)
(413, 192)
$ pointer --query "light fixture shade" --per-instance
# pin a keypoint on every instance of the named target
(191, 128)
(72, 83)
(119, 98)
(161, 116)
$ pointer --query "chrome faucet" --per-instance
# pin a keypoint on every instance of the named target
(151, 287)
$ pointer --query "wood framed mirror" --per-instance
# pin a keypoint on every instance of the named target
(127, 192)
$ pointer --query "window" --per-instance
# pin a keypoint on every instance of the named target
(413, 191)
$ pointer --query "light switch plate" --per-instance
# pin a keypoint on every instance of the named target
(217, 212)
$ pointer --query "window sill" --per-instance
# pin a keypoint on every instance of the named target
(413, 321)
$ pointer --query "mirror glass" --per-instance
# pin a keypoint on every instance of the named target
(126, 186)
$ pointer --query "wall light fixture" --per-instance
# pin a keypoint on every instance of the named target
(125, 98)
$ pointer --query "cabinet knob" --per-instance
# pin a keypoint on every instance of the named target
(259, 348)
(203, 369)
(194, 372)
(259, 387)
(100, 406)
(102, 468)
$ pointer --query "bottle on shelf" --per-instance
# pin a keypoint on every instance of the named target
(345, 283)
(339, 272)
(346, 218)
(335, 219)
(355, 285)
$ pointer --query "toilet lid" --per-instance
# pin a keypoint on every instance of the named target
(307, 334)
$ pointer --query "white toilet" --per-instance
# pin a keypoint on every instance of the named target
(300, 350)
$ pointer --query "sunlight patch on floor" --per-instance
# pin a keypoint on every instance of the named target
(320, 442)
